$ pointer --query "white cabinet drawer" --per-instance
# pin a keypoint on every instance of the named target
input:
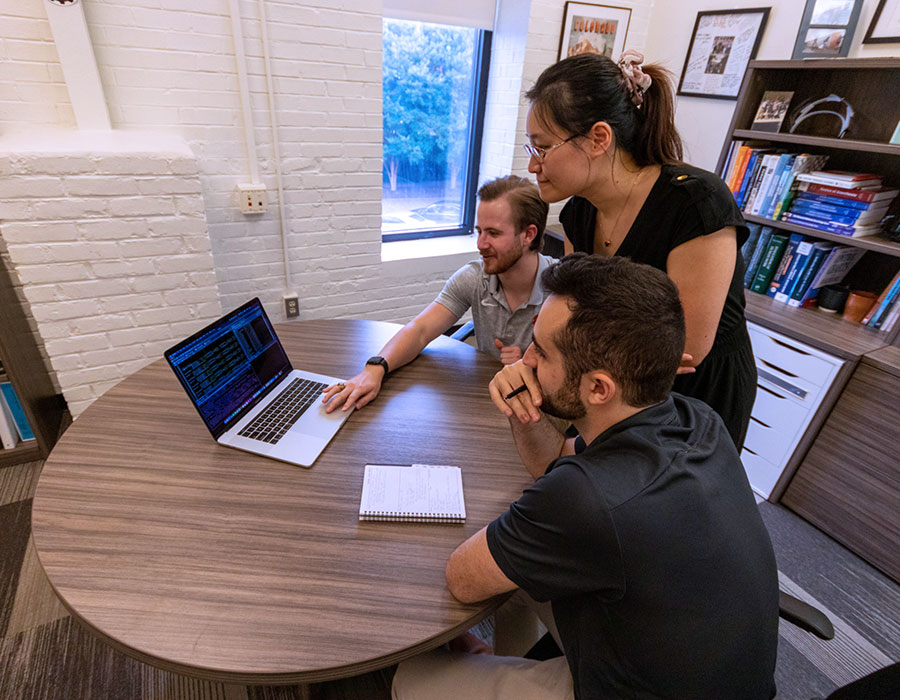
(761, 473)
(774, 407)
(791, 358)
(769, 442)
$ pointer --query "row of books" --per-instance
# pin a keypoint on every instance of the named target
(792, 268)
(793, 187)
(884, 312)
(14, 426)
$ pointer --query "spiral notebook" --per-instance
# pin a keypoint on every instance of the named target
(419, 493)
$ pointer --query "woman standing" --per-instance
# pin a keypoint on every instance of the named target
(603, 134)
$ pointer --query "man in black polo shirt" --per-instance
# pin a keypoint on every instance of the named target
(644, 536)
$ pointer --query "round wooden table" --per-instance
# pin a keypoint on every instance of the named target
(227, 566)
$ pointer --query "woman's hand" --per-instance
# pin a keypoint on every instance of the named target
(509, 354)
(359, 391)
(523, 405)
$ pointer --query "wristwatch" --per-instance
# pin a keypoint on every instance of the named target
(379, 360)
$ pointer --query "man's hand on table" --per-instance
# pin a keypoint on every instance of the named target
(358, 391)
(524, 405)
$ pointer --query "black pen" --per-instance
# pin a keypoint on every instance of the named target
(514, 392)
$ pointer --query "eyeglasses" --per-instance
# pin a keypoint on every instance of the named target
(541, 153)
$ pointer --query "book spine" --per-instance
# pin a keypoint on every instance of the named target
(758, 177)
(747, 177)
(12, 405)
(769, 263)
(765, 182)
(801, 257)
(837, 182)
(831, 201)
(823, 216)
(878, 316)
(778, 279)
(880, 299)
(816, 258)
(739, 168)
(8, 435)
(841, 192)
(765, 236)
(891, 319)
(819, 225)
(784, 182)
(750, 243)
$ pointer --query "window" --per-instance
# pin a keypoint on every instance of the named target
(434, 85)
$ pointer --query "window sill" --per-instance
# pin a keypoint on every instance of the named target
(432, 254)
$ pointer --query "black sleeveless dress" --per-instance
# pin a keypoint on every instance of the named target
(684, 203)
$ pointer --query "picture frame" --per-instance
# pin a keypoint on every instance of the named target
(722, 44)
(826, 29)
(772, 110)
(885, 25)
(591, 28)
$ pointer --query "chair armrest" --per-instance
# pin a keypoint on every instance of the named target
(805, 616)
(464, 331)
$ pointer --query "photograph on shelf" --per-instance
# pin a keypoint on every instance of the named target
(589, 28)
(772, 109)
(885, 25)
(826, 29)
(722, 44)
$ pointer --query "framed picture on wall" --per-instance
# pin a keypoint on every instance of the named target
(589, 28)
(826, 29)
(721, 46)
(885, 25)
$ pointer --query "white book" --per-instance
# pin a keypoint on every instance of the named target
(771, 163)
(417, 493)
(9, 437)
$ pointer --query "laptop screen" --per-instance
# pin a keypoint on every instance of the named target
(226, 367)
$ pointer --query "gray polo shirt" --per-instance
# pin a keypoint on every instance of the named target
(470, 287)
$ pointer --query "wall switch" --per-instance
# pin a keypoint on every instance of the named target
(291, 306)
(252, 199)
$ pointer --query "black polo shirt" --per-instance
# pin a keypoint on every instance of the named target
(652, 550)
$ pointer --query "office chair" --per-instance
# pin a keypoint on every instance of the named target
(462, 332)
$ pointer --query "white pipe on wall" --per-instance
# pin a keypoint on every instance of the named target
(79, 66)
(244, 90)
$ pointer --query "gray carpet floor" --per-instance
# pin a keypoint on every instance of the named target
(46, 655)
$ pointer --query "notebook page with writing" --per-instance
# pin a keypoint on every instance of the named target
(417, 493)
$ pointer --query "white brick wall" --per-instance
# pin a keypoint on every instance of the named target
(112, 277)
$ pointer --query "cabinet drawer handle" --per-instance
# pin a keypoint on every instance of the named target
(789, 347)
(776, 367)
(767, 389)
(757, 420)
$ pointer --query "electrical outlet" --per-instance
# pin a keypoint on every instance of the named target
(252, 199)
(291, 306)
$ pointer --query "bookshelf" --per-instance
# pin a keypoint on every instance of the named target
(870, 86)
(24, 368)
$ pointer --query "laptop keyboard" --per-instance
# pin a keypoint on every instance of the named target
(278, 417)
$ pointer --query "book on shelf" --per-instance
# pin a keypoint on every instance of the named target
(730, 161)
(750, 243)
(846, 230)
(877, 319)
(814, 262)
(10, 402)
(765, 235)
(881, 298)
(804, 162)
(9, 438)
(778, 279)
(751, 174)
(844, 207)
(766, 182)
(736, 170)
(849, 217)
(798, 262)
(769, 263)
(417, 493)
(835, 267)
(874, 194)
(766, 199)
(891, 319)
(841, 178)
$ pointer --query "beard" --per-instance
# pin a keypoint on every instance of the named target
(565, 403)
(501, 263)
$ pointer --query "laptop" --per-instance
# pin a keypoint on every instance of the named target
(237, 375)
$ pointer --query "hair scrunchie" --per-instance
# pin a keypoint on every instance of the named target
(636, 81)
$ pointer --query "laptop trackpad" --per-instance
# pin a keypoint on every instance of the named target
(317, 423)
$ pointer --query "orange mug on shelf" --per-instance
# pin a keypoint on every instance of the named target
(858, 305)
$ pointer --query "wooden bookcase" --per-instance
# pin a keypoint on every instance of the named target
(24, 367)
(871, 87)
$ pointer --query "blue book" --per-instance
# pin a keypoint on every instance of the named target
(769, 194)
(750, 243)
(765, 234)
(801, 256)
(825, 216)
(11, 403)
(816, 258)
(748, 177)
(878, 317)
(820, 225)
(781, 186)
(780, 276)
(828, 200)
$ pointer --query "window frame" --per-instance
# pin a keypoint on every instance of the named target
(480, 70)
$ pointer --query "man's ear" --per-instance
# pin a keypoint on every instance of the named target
(601, 387)
(530, 233)
(600, 138)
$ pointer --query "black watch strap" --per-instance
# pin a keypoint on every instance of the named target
(379, 360)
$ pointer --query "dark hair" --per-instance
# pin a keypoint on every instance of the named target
(584, 89)
(525, 201)
(626, 319)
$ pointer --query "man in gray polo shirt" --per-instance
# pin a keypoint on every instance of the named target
(503, 289)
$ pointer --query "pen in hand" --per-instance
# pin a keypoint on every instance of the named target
(515, 392)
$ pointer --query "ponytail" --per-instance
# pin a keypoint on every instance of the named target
(657, 141)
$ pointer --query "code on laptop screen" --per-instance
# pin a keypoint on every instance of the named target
(229, 364)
